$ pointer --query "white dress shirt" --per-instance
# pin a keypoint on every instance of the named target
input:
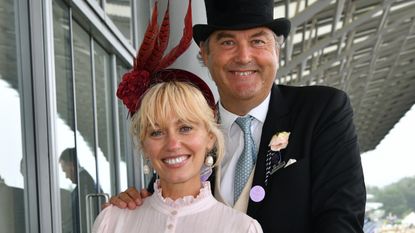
(234, 143)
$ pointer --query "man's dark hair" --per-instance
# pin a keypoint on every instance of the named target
(68, 156)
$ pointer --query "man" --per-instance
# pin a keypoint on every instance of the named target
(314, 182)
(86, 185)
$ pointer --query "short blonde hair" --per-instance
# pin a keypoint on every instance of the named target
(180, 98)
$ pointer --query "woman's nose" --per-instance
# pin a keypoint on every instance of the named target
(173, 142)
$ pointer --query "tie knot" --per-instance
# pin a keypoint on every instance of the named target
(244, 123)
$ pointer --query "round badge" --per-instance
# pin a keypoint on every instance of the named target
(257, 193)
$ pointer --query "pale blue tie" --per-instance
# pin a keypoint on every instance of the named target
(246, 161)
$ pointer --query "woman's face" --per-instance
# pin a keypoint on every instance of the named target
(177, 150)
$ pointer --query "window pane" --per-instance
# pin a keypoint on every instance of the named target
(120, 13)
(65, 122)
(85, 142)
(12, 213)
(104, 97)
(122, 116)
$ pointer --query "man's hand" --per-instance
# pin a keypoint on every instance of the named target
(130, 198)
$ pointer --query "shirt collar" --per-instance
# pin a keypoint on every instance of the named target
(259, 113)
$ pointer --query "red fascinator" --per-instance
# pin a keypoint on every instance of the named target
(149, 64)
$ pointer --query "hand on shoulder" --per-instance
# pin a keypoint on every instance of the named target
(131, 198)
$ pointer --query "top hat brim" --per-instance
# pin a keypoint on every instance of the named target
(280, 26)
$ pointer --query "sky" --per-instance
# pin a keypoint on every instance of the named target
(394, 157)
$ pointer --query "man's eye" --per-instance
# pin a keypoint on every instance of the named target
(258, 42)
(227, 42)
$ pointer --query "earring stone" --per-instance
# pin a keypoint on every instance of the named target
(146, 169)
(209, 161)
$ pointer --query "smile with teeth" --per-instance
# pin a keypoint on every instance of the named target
(175, 160)
(243, 73)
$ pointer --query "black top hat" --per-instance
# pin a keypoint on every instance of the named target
(239, 15)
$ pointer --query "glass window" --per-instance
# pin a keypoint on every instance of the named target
(104, 97)
(120, 13)
(12, 212)
(85, 140)
(85, 135)
(122, 116)
(65, 122)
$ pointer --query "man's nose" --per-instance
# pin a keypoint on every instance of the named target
(243, 54)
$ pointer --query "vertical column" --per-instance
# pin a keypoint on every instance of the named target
(188, 60)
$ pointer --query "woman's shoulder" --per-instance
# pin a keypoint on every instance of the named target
(112, 218)
(112, 214)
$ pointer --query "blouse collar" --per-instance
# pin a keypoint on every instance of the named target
(205, 192)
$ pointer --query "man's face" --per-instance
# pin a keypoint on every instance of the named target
(243, 65)
(69, 171)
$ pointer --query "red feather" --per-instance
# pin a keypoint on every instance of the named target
(135, 82)
(183, 44)
(149, 40)
(161, 44)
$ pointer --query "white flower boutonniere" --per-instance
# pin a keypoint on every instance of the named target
(279, 141)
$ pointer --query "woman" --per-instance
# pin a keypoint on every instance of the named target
(174, 126)
(176, 129)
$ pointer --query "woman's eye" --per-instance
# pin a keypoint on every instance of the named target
(155, 133)
(185, 128)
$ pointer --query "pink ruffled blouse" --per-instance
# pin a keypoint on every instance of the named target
(203, 214)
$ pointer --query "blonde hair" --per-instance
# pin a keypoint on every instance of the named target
(179, 98)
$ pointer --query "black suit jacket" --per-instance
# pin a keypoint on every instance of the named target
(324, 190)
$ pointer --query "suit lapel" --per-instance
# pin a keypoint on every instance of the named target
(277, 120)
